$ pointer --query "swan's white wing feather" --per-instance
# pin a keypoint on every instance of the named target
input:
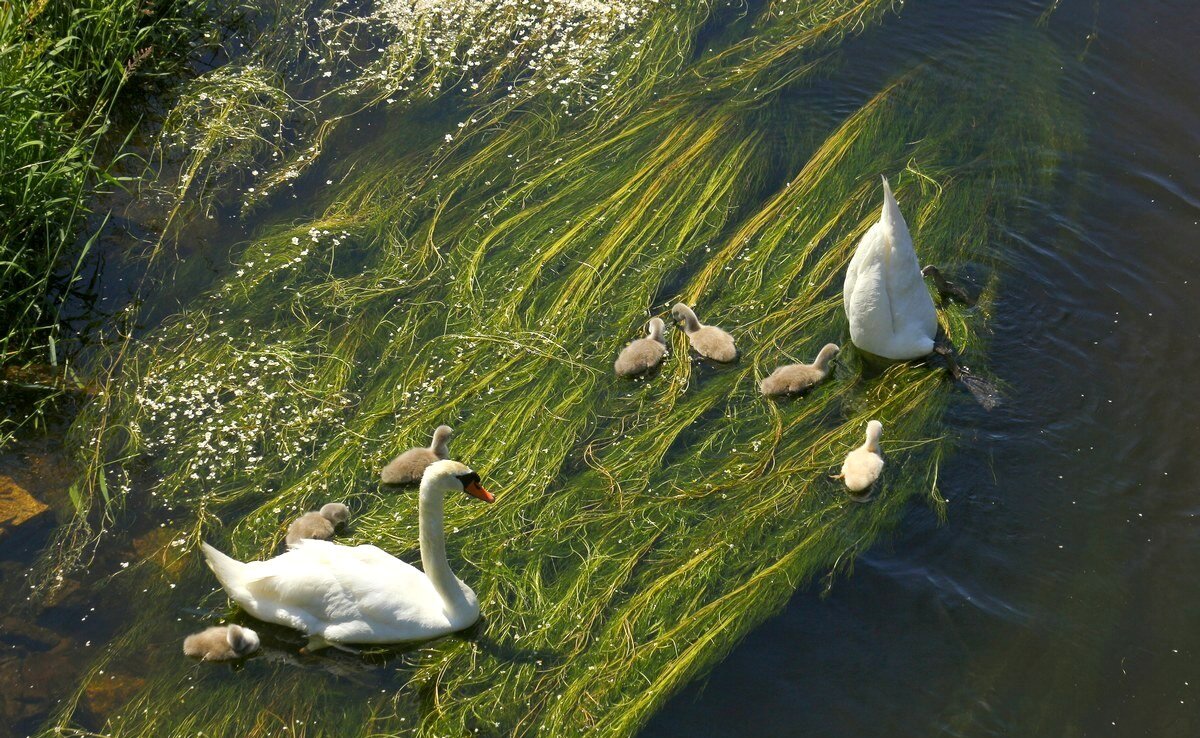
(887, 303)
(346, 593)
(850, 284)
(869, 306)
(912, 307)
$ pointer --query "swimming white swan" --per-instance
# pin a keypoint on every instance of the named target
(359, 594)
(890, 311)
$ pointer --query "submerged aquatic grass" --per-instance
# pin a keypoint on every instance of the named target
(309, 72)
(642, 528)
(63, 67)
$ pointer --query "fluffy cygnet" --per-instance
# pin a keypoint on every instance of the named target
(796, 378)
(644, 354)
(708, 340)
(864, 464)
(410, 465)
(947, 290)
(221, 643)
(320, 525)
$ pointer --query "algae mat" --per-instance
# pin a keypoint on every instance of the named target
(485, 277)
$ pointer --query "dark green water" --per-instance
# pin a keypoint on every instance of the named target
(1057, 598)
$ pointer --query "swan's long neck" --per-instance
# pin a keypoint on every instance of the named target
(656, 330)
(874, 433)
(690, 322)
(433, 549)
(822, 361)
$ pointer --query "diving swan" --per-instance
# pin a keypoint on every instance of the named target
(359, 594)
(890, 311)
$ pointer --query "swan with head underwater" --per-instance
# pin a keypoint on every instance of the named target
(340, 594)
(890, 311)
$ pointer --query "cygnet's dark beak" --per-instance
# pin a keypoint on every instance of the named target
(474, 489)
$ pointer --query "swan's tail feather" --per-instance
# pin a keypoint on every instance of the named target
(891, 209)
(230, 572)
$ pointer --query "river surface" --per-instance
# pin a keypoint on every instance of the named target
(1058, 597)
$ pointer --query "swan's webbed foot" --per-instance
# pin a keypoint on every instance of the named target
(318, 643)
(315, 643)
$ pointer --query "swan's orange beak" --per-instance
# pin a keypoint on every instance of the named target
(475, 490)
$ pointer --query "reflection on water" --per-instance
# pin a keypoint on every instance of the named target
(1056, 599)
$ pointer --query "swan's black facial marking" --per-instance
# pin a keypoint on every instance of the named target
(467, 479)
(470, 485)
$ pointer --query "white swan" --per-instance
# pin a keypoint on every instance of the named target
(359, 594)
(890, 311)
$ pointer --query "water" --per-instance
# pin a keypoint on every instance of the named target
(1057, 598)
